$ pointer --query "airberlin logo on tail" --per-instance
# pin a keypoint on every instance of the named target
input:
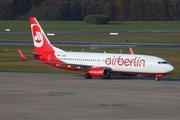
(37, 35)
(136, 61)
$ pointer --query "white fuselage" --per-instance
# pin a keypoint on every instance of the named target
(134, 63)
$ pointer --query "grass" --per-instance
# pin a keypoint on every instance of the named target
(172, 38)
(22, 26)
(11, 62)
(82, 26)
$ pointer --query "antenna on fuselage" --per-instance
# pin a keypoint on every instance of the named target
(120, 50)
(82, 48)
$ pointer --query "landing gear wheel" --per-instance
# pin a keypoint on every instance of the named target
(87, 76)
(107, 77)
(157, 79)
(158, 76)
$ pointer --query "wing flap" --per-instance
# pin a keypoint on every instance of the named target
(83, 67)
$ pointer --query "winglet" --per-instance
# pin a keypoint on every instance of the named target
(21, 55)
(131, 50)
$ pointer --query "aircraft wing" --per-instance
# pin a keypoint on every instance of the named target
(77, 66)
(70, 65)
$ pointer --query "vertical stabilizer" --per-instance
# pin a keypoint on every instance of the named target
(41, 42)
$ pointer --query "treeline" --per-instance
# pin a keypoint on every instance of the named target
(116, 10)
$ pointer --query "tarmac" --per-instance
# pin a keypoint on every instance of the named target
(40, 96)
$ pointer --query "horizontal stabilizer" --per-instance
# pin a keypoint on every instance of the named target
(21, 55)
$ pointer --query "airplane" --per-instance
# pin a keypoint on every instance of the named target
(94, 64)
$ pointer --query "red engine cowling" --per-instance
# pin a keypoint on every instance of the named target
(99, 72)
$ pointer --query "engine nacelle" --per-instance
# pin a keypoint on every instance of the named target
(99, 72)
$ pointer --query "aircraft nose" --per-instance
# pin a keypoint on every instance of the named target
(170, 68)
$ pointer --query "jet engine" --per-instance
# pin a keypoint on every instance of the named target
(99, 72)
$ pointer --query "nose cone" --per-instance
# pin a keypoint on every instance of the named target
(170, 68)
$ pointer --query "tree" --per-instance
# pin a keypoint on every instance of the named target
(96, 19)
(75, 10)
(149, 11)
(84, 4)
(93, 8)
(21, 7)
(36, 2)
(173, 9)
(163, 10)
(137, 12)
(109, 9)
(6, 11)
(123, 9)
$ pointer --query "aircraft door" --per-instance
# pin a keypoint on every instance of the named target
(49, 58)
(150, 63)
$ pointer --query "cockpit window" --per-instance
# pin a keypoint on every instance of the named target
(164, 62)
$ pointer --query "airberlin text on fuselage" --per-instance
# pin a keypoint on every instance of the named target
(136, 61)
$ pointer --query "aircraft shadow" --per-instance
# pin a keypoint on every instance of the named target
(139, 78)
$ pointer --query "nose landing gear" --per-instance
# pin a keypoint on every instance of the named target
(158, 76)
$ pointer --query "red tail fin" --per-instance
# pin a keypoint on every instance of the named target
(41, 42)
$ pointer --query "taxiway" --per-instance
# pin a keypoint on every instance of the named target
(38, 96)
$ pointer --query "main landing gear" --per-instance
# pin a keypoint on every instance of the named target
(107, 77)
(87, 76)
